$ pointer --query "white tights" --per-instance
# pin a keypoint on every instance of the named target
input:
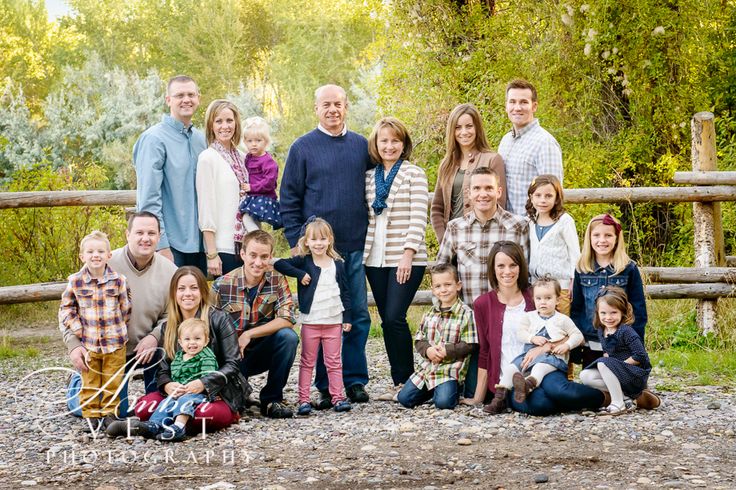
(539, 371)
(602, 378)
(250, 224)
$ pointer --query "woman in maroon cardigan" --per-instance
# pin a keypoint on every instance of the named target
(497, 315)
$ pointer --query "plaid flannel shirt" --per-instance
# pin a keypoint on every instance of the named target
(529, 152)
(273, 299)
(96, 310)
(444, 327)
(471, 241)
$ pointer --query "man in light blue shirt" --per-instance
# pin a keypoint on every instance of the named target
(528, 150)
(165, 157)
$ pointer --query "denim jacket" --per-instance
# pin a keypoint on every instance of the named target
(586, 286)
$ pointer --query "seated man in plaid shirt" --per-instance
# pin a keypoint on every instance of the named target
(260, 305)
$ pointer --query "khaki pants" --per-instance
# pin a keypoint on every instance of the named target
(564, 305)
(101, 381)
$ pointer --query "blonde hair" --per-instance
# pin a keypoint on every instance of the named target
(95, 235)
(621, 259)
(192, 324)
(453, 153)
(174, 316)
(215, 107)
(322, 228)
(257, 126)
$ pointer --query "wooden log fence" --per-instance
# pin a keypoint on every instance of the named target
(709, 280)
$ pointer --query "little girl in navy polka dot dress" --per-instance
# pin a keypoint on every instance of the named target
(259, 203)
(624, 368)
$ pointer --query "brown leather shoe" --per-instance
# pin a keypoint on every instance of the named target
(523, 386)
(648, 400)
(498, 404)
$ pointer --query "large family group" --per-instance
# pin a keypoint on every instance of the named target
(516, 302)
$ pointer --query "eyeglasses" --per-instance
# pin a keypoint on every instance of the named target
(189, 95)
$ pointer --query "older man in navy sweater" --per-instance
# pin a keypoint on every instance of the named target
(325, 176)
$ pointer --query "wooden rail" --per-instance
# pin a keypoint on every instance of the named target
(15, 200)
(689, 282)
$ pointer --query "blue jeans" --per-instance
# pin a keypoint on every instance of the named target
(393, 301)
(170, 408)
(354, 364)
(445, 395)
(150, 373)
(275, 354)
(556, 394)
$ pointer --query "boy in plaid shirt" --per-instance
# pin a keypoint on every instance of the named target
(96, 307)
(445, 339)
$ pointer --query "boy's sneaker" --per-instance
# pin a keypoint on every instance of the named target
(173, 433)
(392, 395)
(304, 408)
(357, 393)
(343, 406)
(91, 424)
(276, 410)
(119, 428)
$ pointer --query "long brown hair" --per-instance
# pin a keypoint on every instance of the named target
(558, 209)
(453, 154)
(174, 315)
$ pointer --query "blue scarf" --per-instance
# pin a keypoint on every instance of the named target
(383, 186)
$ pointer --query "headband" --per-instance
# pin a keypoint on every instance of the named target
(609, 220)
(303, 230)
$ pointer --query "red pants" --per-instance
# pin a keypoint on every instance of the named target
(330, 337)
(217, 415)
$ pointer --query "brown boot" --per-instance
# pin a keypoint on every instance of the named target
(648, 400)
(606, 399)
(522, 386)
(498, 404)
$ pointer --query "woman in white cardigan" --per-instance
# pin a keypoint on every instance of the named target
(395, 254)
(221, 174)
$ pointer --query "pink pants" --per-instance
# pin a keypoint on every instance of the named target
(217, 414)
(330, 336)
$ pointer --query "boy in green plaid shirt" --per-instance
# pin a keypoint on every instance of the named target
(445, 339)
(193, 360)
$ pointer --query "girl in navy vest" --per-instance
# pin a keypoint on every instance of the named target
(324, 303)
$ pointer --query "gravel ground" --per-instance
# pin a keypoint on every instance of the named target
(688, 442)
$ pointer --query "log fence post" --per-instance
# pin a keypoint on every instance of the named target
(708, 229)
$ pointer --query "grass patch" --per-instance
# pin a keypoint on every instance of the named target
(9, 351)
(696, 367)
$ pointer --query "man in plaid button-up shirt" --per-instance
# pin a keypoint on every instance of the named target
(470, 238)
(527, 150)
(262, 311)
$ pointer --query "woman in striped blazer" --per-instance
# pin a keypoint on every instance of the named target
(395, 254)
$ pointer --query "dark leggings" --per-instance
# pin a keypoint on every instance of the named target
(393, 300)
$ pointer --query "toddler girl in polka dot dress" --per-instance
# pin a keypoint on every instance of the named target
(259, 203)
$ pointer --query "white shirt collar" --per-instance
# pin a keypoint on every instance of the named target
(342, 133)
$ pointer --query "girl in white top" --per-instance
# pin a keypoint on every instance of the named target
(554, 245)
(324, 303)
(221, 177)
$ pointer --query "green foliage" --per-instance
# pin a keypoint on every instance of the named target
(618, 84)
(42, 244)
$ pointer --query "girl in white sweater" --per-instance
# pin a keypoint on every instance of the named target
(554, 246)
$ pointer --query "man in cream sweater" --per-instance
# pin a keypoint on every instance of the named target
(148, 276)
